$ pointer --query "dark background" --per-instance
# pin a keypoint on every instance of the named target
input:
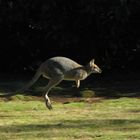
(32, 31)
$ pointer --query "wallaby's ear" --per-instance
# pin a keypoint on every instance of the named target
(92, 62)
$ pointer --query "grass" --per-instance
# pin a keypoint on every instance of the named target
(110, 119)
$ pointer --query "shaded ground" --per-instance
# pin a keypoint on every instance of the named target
(97, 86)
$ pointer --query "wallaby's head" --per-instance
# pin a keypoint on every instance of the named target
(93, 67)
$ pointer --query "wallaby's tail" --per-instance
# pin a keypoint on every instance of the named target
(34, 79)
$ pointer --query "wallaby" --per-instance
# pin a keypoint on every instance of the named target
(57, 69)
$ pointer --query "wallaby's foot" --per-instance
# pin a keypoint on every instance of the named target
(48, 105)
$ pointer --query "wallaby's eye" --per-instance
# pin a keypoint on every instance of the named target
(94, 67)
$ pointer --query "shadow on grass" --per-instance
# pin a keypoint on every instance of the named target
(110, 124)
(109, 86)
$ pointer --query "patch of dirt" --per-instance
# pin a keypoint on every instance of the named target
(66, 100)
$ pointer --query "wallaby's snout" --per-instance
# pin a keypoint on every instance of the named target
(96, 69)
(99, 71)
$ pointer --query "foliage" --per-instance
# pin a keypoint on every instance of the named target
(32, 31)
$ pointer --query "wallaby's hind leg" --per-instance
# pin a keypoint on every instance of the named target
(52, 83)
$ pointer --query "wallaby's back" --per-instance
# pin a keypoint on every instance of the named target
(58, 66)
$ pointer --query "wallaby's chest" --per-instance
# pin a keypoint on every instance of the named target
(76, 74)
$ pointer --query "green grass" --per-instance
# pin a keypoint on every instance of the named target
(112, 119)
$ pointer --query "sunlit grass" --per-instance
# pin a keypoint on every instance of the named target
(114, 119)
